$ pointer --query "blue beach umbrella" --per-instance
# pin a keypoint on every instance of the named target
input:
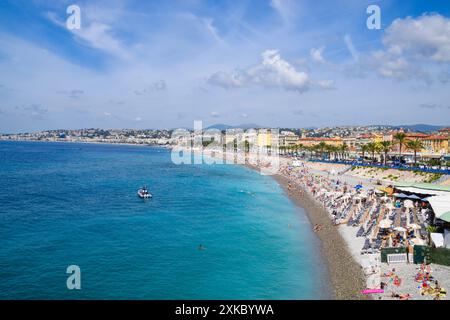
(358, 186)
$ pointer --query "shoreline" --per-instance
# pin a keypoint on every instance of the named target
(345, 274)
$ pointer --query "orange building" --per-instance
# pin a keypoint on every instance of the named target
(315, 141)
(446, 132)
(409, 136)
(435, 144)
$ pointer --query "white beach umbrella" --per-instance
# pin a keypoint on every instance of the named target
(386, 223)
(414, 226)
(408, 204)
(384, 198)
(400, 229)
(389, 206)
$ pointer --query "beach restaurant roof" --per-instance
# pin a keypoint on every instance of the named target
(441, 207)
(423, 188)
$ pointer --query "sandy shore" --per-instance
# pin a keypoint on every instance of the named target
(346, 275)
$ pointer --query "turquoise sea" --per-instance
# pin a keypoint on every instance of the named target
(67, 204)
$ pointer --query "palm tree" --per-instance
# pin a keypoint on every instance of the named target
(415, 145)
(333, 150)
(364, 149)
(372, 148)
(300, 147)
(400, 137)
(385, 146)
(246, 146)
(321, 147)
(329, 150)
(343, 148)
(308, 149)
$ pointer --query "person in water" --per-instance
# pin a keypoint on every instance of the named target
(201, 247)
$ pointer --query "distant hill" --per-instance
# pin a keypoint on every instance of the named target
(421, 127)
(221, 126)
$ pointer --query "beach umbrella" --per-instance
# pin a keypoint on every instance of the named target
(400, 229)
(385, 198)
(414, 226)
(408, 204)
(386, 223)
(389, 206)
(358, 186)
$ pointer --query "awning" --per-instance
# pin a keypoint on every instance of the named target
(441, 207)
(422, 191)
(414, 197)
(437, 239)
(400, 195)
(423, 188)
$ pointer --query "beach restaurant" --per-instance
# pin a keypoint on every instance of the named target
(438, 199)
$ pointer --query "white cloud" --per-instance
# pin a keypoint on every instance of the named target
(285, 8)
(209, 25)
(427, 36)
(351, 48)
(317, 54)
(273, 71)
(326, 84)
(413, 49)
(227, 80)
(391, 66)
(97, 35)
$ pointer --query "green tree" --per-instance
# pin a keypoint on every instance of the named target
(343, 148)
(372, 148)
(333, 150)
(415, 145)
(385, 147)
(400, 138)
(364, 149)
(322, 147)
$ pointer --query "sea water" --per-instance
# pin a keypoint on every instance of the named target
(67, 204)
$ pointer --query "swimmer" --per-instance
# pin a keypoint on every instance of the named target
(201, 247)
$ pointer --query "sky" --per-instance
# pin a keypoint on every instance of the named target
(275, 63)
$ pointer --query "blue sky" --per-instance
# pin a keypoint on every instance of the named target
(164, 64)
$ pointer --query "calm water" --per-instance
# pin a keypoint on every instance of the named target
(64, 204)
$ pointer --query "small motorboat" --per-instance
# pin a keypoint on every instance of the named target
(144, 193)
